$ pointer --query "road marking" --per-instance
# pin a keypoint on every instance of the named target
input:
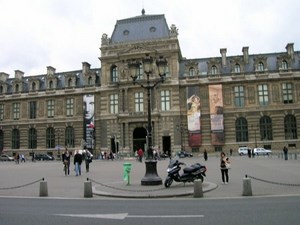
(122, 216)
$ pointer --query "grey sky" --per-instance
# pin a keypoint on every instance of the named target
(35, 34)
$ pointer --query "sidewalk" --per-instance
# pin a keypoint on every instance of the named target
(107, 179)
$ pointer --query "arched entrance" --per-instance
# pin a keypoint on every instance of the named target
(139, 138)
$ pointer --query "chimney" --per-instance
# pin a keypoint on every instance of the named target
(50, 70)
(223, 53)
(290, 49)
(85, 68)
(4, 76)
(246, 54)
(19, 74)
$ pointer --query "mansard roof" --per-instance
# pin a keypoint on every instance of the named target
(140, 28)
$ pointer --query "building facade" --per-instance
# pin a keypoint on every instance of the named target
(216, 104)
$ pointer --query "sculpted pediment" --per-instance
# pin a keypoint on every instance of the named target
(136, 49)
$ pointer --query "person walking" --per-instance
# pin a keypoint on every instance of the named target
(66, 159)
(77, 162)
(224, 166)
(88, 159)
(140, 154)
(285, 152)
(205, 155)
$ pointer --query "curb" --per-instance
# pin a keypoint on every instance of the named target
(180, 191)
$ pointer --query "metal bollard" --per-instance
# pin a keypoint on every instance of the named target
(43, 188)
(88, 193)
(247, 189)
(198, 192)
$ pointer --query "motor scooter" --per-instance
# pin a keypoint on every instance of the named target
(190, 174)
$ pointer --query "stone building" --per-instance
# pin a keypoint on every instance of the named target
(216, 104)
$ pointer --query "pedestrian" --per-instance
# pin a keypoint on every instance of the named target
(140, 154)
(66, 159)
(22, 158)
(231, 151)
(33, 156)
(285, 152)
(77, 162)
(17, 158)
(205, 155)
(224, 166)
(88, 157)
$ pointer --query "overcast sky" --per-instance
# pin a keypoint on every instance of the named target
(35, 34)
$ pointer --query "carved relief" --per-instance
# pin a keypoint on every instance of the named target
(41, 107)
(251, 94)
(60, 107)
(275, 93)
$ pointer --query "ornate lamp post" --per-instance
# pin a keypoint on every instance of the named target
(151, 177)
(180, 128)
(58, 132)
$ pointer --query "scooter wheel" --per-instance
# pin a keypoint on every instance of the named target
(168, 182)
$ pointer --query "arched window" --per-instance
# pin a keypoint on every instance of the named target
(69, 137)
(237, 68)
(192, 71)
(33, 86)
(32, 138)
(265, 125)
(241, 129)
(114, 74)
(284, 65)
(90, 80)
(50, 137)
(70, 82)
(17, 88)
(50, 84)
(214, 70)
(15, 139)
(290, 127)
(260, 66)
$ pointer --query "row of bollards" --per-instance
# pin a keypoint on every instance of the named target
(88, 192)
(247, 188)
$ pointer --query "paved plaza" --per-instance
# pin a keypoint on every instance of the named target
(269, 176)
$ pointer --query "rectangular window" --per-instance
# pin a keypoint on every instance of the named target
(165, 100)
(287, 91)
(70, 107)
(114, 103)
(32, 110)
(50, 108)
(16, 111)
(139, 101)
(1, 112)
(239, 96)
(263, 95)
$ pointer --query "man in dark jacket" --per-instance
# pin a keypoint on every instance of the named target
(77, 162)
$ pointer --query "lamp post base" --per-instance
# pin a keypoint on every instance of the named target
(151, 177)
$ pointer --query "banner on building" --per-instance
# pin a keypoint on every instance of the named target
(216, 114)
(89, 121)
(194, 116)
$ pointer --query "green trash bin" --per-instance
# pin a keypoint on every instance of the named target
(126, 172)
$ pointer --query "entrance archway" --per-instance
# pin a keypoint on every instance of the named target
(139, 138)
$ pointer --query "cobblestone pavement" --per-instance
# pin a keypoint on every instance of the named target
(269, 176)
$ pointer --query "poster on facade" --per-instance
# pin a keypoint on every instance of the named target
(194, 116)
(89, 120)
(216, 114)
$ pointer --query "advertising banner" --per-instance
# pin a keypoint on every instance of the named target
(89, 119)
(193, 116)
(216, 114)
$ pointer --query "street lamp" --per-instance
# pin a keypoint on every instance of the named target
(58, 133)
(151, 177)
(180, 127)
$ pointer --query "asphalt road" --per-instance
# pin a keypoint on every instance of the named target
(246, 211)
